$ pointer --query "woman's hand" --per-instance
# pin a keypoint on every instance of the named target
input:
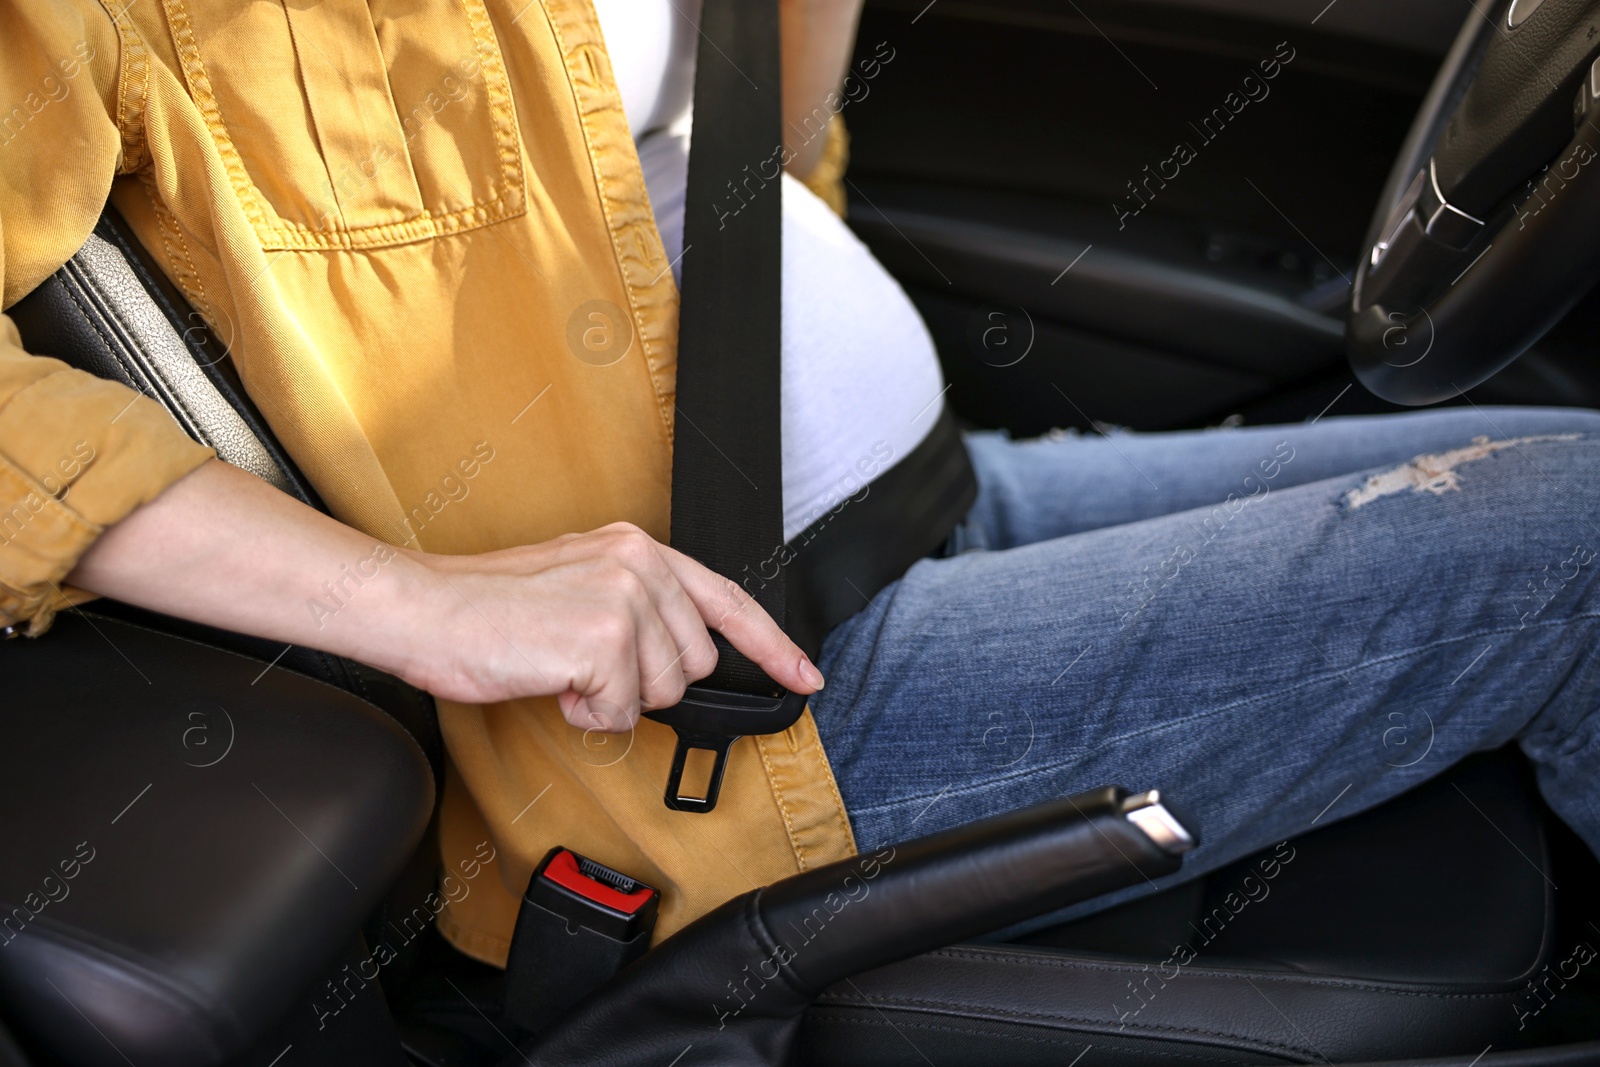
(610, 622)
(613, 622)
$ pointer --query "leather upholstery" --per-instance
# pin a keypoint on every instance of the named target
(407, 705)
(731, 987)
(1369, 944)
(225, 829)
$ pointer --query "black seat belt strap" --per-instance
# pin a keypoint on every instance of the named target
(727, 463)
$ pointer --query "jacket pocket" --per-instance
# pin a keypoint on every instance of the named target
(344, 125)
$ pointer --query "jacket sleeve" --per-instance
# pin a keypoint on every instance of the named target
(77, 453)
(827, 179)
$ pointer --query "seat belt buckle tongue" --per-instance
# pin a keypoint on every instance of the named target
(579, 924)
(711, 720)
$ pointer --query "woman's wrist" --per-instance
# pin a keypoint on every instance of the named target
(410, 621)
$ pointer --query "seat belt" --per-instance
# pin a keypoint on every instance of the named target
(727, 461)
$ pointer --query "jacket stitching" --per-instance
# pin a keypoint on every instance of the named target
(77, 523)
(502, 107)
(840, 816)
(278, 234)
(199, 82)
(133, 89)
(176, 251)
(598, 146)
(494, 950)
(783, 804)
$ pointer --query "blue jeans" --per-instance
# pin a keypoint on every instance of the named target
(1276, 627)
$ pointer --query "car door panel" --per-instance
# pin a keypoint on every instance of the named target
(1029, 153)
(1424, 25)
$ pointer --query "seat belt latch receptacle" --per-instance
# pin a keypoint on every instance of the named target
(579, 924)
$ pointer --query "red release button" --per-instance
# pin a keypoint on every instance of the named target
(563, 871)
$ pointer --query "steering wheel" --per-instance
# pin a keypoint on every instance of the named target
(1488, 231)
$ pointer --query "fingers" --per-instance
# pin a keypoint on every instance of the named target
(634, 661)
(695, 654)
(647, 637)
(732, 612)
(593, 713)
(659, 661)
(606, 697)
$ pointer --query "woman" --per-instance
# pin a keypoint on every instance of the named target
(396, 218)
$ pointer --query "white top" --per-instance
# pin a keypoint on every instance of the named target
(861, 382)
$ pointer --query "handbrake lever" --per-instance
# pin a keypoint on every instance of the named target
(777, 948)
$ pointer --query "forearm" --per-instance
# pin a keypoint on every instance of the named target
(818, 38)
(609, 621)
(224, 548)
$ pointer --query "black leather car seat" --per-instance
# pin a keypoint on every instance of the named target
(1332, 965)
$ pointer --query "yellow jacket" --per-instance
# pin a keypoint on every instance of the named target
(402, 219)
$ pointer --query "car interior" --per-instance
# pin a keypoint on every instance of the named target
(1012, 163)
